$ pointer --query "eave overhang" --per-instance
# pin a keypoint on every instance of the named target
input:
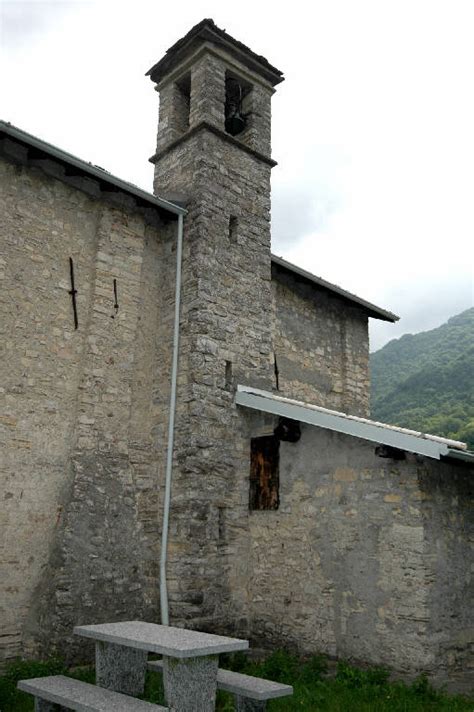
(370, 309)
(412, 441)
(208, 31)
(35, 149)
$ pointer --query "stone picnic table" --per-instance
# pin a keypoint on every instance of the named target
(190, 660)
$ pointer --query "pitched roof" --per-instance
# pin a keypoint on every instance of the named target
(36, 149)
(208, 30)
(371, 309)
(391, 435)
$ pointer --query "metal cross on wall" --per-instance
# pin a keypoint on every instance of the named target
(73, 292)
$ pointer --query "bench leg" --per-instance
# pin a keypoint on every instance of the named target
(244, 704)
(120, 668)
(190, 683)
(45, 706)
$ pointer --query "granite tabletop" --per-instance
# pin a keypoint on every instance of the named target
(173, 642)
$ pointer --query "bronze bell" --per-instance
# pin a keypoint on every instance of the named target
(235, 120)
(234, 123)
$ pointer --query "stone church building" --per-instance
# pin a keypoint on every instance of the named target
(294, 519)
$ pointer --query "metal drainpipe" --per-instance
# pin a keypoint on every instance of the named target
(169, 454)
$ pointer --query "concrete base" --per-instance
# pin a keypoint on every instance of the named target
(120, 668)
(190, 683)
(244, 704)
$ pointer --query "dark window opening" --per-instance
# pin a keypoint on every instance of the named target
(264, 473)
(288, 430)
(182, 102)
(233, 224)
(228, 375)
(391, 453)
(221, 523)
(236, 91)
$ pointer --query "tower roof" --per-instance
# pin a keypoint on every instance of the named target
(207, 31)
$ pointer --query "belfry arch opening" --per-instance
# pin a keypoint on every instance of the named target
(237, 104)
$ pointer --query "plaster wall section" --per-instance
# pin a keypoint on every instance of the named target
(321, 346)
(346, 559)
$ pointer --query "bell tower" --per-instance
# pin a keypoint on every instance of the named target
(209, 80)
(214, 155)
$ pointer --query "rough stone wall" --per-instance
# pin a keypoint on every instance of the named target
(42, 224)
(82, 418)
(321, 345)
(447, 507)
(351, 561)
(174, 115)
(225, 339)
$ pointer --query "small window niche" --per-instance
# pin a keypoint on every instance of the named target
(233, 226)
(228, 376)
(264, 473)
(237, 113)
(182, 103)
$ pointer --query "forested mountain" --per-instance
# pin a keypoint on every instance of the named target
(426, 381)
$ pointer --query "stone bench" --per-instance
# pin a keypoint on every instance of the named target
(190, 660)
(251, 693)
(59, 692)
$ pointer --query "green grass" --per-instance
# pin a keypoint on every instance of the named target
(350, 690)
(11, 700)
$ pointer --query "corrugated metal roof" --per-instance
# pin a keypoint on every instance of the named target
(391, 435)
(88, 169)
(371, 309)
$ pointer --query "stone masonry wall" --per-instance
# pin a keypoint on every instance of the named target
(351, 562)
(42, 223)
(83, 411)
(321, 345)
(447, 506)
(225, 339)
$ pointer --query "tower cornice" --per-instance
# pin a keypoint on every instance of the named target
(207, 31)
(205, 125)
(187, 62)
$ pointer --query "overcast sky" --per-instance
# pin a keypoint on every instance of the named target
(373, 128)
